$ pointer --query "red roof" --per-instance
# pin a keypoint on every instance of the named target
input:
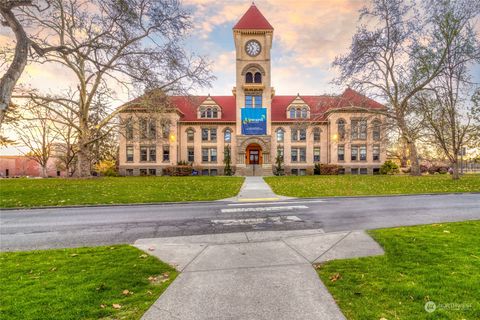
(319, 106)
(253, 19)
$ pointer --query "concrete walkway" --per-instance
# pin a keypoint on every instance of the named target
(253, 275)
(256, 189)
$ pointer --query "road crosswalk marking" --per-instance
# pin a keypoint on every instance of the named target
(254, 221)
(262, 209)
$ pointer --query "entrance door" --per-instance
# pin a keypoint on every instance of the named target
(253, 154)
(254, 157)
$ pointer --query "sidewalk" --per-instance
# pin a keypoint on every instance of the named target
(253, 275)
(256, 189)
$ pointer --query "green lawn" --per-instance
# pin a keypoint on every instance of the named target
(362, 185)
(84, 283)
(60, 192)
(438, 263)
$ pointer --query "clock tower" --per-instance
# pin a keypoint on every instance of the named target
(253, 42)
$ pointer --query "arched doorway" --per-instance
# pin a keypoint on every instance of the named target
(253, 154)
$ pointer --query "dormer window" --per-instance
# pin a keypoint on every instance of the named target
(298, 112)
(208, 112)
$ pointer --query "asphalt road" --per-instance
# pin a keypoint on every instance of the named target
(73, 227)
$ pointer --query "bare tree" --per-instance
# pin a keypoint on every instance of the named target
(22, 47)
(35, 132)
(397, 52)
(114, 45)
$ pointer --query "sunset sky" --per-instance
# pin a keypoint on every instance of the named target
(308, 35)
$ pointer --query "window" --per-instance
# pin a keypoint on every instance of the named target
(165, 130)
(316, 154)
(253, 101)
(299, 134)
(143, 128)
(363, 171)
(227, 136)
(249, 77)
(213, 155)
(129, 129)
(304, 113)
(208, 112)
(129, 153)
(129, 172)
(152, 154)
(376, 153)
(354, 171)
(292, 113)
(359, 129)
(152, 172)
(166, 153)
(143, 153)
(213, 172)
(191, 154)
(152, 129)
(376, 130)
(280, 135)
(294, 155)
(209, 154)
(148, 153)
(213, 134)
(204, 155)
(341, 129)
(280, 153)
(354, 153)
(299, 155)
(258, 77)
(205, 134)
(376, 170)
(363, 153)
(316, 134)
(341, 153)
(295, 172)
(302, 172)
(298, 113)
(303, 154)
(190, 135)
(143, 172)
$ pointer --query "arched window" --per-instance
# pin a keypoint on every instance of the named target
(341, 129)
(298, 113)
(280, 135)
(304, 113)
(292, 113)
(249, 77)
(208, 113)
(227, 135)
(215, 113)
(202, 113)
(258, 77)
(376, 130)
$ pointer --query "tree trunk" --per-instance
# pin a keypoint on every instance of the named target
(83, 166)
(414, 163)
(44, 171)
(456, 170)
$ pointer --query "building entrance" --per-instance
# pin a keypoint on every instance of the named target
(253, 154)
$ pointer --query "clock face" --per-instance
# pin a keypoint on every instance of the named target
(253, 48)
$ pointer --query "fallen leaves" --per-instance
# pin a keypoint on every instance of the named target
(116, 306)
(164, 277)
(335, 277)
(127, 292)
(151, 249)
(144, 256)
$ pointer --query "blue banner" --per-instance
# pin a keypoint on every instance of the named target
(254, 121)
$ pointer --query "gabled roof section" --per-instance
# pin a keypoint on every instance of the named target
(253, 19)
